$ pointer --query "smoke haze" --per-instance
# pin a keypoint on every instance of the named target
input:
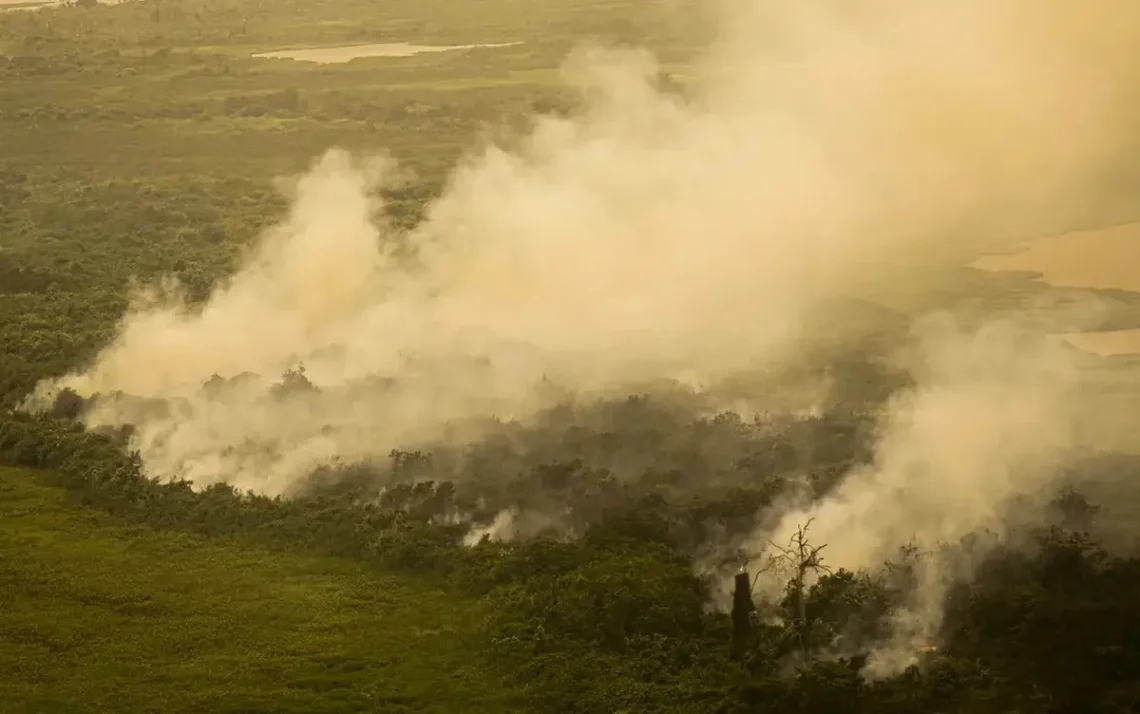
(830, 149)
(990, 418)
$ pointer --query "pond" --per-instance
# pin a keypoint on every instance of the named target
(338, 55)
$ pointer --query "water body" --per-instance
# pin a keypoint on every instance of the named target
(339, 55)
(17, 5)
(1104, 258)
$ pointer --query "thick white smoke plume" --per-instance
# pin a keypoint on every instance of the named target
(832, 149)
(991, 417)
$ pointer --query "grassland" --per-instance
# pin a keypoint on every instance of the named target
(103, 615)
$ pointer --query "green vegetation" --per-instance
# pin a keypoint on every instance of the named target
(613, 621)
(104, 615)
(142, 140)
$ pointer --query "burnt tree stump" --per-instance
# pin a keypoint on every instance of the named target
(742, 609)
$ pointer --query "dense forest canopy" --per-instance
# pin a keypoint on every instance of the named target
(644, 343)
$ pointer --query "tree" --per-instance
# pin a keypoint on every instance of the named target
(799, 557)
(293, 381)
(68, 405)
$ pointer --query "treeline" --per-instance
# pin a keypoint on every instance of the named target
(617, 620)
(452, 114)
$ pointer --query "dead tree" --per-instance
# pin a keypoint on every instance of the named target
(744, 608)
(800, 557)
(742, 611)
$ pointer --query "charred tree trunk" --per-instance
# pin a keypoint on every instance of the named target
(742, 609)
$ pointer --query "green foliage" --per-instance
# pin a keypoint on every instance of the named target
(1052, 625)
(103, 615)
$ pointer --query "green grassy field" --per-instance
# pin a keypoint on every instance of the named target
(100, 615)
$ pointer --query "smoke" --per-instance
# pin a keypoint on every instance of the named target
(987, 419)
(991, 418)
(510, 524)
(830, 150)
